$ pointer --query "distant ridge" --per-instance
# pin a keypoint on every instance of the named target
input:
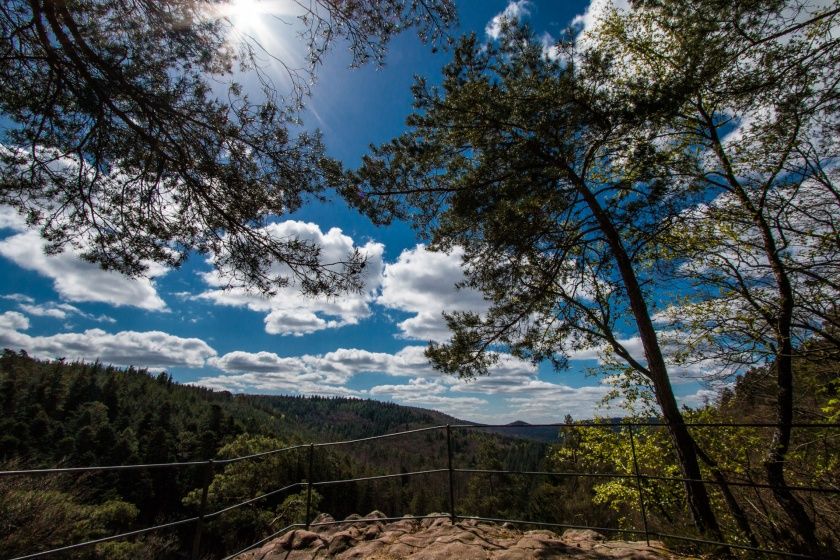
(523, 430)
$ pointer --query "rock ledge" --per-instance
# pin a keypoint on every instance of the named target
(437, 539)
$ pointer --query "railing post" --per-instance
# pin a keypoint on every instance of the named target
(639, 484)
(309, 484)
(202, 507)
(451, 481)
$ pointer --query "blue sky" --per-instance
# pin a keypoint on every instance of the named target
(368, 345)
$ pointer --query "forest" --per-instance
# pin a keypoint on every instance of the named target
(58, 414)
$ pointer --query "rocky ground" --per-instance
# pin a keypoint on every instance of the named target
(438, 539)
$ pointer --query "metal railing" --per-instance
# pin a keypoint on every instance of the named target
(309, 484)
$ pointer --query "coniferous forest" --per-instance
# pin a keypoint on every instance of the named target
(58, 414)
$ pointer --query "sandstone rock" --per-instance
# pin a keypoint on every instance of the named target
(575, 535)
(299, 539)
(375, 514)
(340, 542)
(324, 530)
(448, 551)
(372, 531)
(432, 518)
(437, 539)
(362, 551)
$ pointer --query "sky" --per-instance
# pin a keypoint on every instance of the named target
(368, 345)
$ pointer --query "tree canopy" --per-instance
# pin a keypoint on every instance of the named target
(583, 187)
(127, 137)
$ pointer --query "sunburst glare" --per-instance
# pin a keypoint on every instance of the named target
(258, 19)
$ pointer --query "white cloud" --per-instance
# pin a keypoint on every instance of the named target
(328, 374)
(266, 371)
(256, 362)
(334, 368)
(423, 282)
(431, 394)
(151, 349)
(19, 298)
(552, 405)
(595, 12)
(13, 321)
(511, 391)
(700, 398)
(251, 382)
(11, 219)
(499, 399)
(550, 49)
(61, 311)
(291, 313)
(514, 11)
(78, 280)
(418, 387)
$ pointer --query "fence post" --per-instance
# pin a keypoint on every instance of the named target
(451, 482)
(199, 526)
(309, 484)
(639, 484)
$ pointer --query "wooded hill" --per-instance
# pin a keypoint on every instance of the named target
(58, 414)
(77, 414)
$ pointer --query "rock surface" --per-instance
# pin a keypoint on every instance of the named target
(437, 539)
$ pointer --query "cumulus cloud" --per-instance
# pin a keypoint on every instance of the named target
(422, 282)
(431, 394)
(328, 374)
(153, 349)
(514, 11)
(335, 367)
(272, 382)
(550, 50)
(291, 313)
(78, 280)
(414, 388)
(672, 343)
(11, 219)
(515, 397)
(551, 406)
(13, 321)
(529, 397)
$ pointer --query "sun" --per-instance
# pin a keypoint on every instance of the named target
(247, 15)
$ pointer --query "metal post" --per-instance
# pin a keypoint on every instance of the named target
(199, 526)
(309, 484)
(451, 481)
(639, 484)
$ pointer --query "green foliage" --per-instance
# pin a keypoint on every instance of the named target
(729, 454)
(119, 141)
(831, 407)
(293, 509)
(605, 448)
(44, 513)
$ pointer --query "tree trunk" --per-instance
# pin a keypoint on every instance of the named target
(774, 464)
(698, 498)
(735, 508)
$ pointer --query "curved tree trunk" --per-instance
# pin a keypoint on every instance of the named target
(698, 498)
(802, 524)
(735, 508)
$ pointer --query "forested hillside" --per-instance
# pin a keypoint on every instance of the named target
(58, 414)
